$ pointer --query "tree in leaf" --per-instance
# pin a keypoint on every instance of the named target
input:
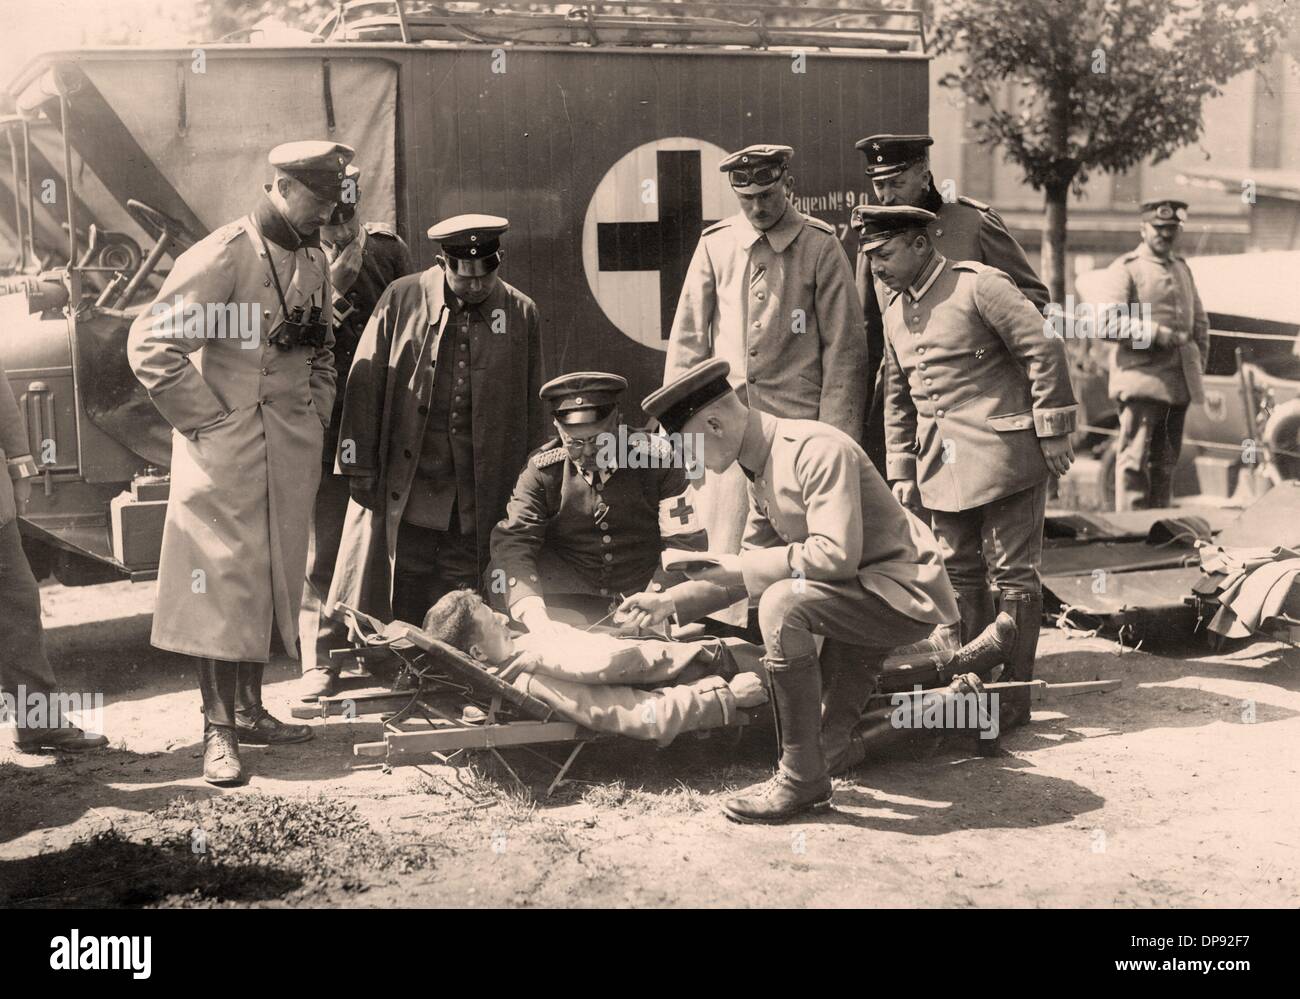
(1100, 84)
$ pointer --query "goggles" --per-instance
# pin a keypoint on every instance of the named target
(768, 173)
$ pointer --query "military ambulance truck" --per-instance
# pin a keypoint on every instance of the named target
(596, 132)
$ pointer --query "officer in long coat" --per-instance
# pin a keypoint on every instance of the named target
(978, 413)
(770, 291)
(963, 229)
(364, 258)
(592, 511)
(235, 353)
(1156, 362)
(441, 412)
(827, 552)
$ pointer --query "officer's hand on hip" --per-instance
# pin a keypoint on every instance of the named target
(908, 493)
(1058, 452)
(644, 610)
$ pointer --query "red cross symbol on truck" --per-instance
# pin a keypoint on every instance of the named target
(682, 511)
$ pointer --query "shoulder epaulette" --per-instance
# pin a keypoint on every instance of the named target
(381, 229)
(817, 223)
(962, 199)
(654, 442)
(722, 224)
(550, 456)
(228, 232)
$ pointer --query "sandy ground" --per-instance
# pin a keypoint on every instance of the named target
(1180, 789)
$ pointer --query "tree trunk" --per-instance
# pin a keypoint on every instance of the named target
(1054, 239)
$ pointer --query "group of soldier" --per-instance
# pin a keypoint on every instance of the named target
(877, 451)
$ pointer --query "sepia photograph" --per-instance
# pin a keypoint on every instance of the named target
(666, 455)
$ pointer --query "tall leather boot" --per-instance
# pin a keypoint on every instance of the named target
(253, 722)
(800, 782)
(221, 765)
(1026, 609)
(851, 675)
(977, 610)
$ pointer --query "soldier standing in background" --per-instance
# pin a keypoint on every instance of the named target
(963, 229)
(770, 291)
(249, 416)
(364, 260)
(1155, 364)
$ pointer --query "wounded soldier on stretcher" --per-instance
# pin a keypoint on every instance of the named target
(649, 689)
(642, 688)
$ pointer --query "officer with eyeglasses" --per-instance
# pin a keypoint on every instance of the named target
(592, 511)
(770, 291)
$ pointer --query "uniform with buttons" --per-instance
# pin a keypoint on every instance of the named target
(249, 421)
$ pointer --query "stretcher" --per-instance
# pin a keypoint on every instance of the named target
(444, 703)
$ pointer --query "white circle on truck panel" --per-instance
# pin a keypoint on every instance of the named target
(642, 225)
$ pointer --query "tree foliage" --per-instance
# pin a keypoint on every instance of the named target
(1102, 84)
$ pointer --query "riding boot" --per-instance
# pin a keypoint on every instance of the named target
(1026, 609)
(221, 765)
(977, 610)
(253, 722)
(851, 675)
(801, 782)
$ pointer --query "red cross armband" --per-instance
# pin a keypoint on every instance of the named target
(677, 515)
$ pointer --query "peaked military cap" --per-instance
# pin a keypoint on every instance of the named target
(351, 197)
(878, 224)
(470, 237)
(582, 396)
(675, 403)
(320, 166)
(754, 169)
(1164, 211)
(890, 155)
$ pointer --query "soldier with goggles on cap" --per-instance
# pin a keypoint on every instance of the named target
(770, 291)
(249, 429)
(592, 511)
(1155, 364)
(441, 411)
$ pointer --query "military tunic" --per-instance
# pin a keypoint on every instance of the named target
(780, 308)
(249, 423)
(387, 411)
(1153, 383)
(971, 383)
(965, 229)
(601, 533)
(828, 543)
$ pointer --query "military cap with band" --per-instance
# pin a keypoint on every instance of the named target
(701, 386)
(878, 224)
(889, 155)
(471, 237)
(347, 206)
(1164, 211)
(741, 167)
(582, 396)
(319, 166)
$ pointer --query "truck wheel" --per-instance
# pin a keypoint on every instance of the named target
(1282, 435)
